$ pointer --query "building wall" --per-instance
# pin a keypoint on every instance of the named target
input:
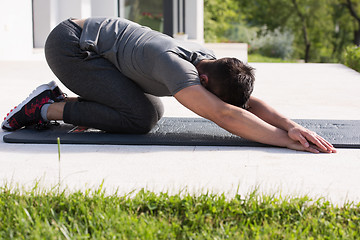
(194, 19)
(49, 13)
(15, 28)
(25, 24)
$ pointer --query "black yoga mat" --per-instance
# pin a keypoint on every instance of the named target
(182, 132)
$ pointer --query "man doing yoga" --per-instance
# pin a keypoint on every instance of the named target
(119, 69)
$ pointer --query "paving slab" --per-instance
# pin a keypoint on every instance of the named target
(317, 91)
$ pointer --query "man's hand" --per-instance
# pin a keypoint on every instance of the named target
(261, 124)
(302, 138)
(307, 140)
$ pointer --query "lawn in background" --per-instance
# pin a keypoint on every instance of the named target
(263, 59)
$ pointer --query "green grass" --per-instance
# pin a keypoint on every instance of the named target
(263, 59)
(93, 214)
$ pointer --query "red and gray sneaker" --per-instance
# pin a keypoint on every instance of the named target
(28, 112)
(59, 96)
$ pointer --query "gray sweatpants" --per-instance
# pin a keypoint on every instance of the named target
(111, 101)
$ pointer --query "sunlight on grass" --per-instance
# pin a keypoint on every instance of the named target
(262, 59)
(40, 214)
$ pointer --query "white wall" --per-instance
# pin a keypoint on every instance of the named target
(74, 9)
(194, 19)
(15, 28)
(16, 20)
(49, 13)
(105, 8)
(45, 19)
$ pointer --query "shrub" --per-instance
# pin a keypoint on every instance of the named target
(240, 32)
(352, 57)
(277, 44)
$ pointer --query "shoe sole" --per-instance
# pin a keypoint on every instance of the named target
(50, 86)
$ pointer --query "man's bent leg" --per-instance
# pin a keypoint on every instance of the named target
(111, 101)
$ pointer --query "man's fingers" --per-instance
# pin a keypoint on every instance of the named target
(303, 141)
(327, 144)
(310, 141)
(312, 149)
(314, 138)
(321, 144)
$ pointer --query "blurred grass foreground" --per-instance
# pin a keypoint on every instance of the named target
(93, 214)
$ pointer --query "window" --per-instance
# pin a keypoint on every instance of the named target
(146, 12)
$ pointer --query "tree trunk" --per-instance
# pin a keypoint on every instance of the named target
(353, 13)
(357, 36)
(307, 44)
(304, 30)
(307, 52)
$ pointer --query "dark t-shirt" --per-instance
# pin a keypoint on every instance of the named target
(159, 64)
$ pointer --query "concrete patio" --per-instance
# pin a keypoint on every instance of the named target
(319, 91)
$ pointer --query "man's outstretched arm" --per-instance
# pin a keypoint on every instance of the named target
(239, 121)
(295, 131)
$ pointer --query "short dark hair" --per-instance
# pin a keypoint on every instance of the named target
(233, 80)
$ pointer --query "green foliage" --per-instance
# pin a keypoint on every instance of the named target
(240, 32)
(219, 17)
(95, 215)
(309, 22)
(275, 44)
(321, 29)
(352, 57)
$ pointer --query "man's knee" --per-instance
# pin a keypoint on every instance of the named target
(157, 105)
(145, 123)
(148, 116)
(141, 118)
(136, 124)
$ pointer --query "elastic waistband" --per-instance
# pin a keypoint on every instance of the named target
(69, 23)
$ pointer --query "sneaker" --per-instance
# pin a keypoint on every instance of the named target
(59, 96)
(28, 112)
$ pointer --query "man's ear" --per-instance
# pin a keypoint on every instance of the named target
(204, 80)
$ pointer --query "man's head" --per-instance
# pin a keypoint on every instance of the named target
(229, 79)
